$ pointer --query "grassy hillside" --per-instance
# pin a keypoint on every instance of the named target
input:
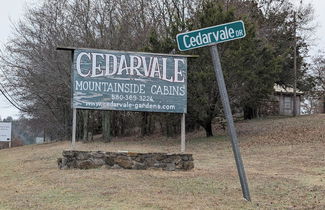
(284, 160)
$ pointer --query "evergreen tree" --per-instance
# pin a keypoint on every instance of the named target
(250, 68)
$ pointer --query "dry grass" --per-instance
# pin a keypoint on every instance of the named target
(284, 160)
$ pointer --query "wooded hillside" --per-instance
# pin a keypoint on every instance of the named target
(38, 76)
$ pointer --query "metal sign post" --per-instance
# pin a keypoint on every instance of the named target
(210, 36)
(230, 121)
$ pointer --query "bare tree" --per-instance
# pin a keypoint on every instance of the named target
(38, 76)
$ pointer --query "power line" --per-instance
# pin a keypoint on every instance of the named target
(11, 101)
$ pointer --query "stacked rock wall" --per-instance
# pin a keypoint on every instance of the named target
(127, 160)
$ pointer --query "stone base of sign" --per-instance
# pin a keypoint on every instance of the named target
(125, 160)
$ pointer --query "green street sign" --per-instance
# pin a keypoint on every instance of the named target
(211, 35)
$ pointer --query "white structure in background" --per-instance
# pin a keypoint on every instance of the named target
(39, 140)
(5, 132)
(314, 103)
(285, 99)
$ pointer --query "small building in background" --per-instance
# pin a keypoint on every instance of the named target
(285, 97)
(281, 102)
(39, 140)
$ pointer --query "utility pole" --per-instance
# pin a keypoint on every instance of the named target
(294, 67)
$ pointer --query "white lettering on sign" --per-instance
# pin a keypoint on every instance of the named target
(168, 90)
(96, 70)
(79, 61)
(110, 70)
(110, 87)
(178, 74)
(199, 39)
(135, 64)
(101, 77)
(109, 65)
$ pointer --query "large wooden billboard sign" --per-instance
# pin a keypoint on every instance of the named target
(131, 81)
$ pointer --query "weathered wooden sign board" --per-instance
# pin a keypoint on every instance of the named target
(130, 81)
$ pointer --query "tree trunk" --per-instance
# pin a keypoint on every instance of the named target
(144, 124)
(85, 116)
(250, 113)
(208, 128)
(79, 129)
(106, 126)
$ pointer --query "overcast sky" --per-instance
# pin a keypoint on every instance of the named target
(12, 10)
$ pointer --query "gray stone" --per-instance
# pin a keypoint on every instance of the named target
(67, 153)
(161, 156)
(115, 166)
(86, 164)
(127, 160)
(111, 154)
(109, 160)
(185, 157)
(98, 162)
(160, 165)
(98, 154)
(188, 165)
(124, 162)
(149, 162)
(179, 165)
(170, 167)
(140, 158)
(177, 159)
(139, 166)
(190, 157)
(133, 154)
(59, 161)
(83, 155)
